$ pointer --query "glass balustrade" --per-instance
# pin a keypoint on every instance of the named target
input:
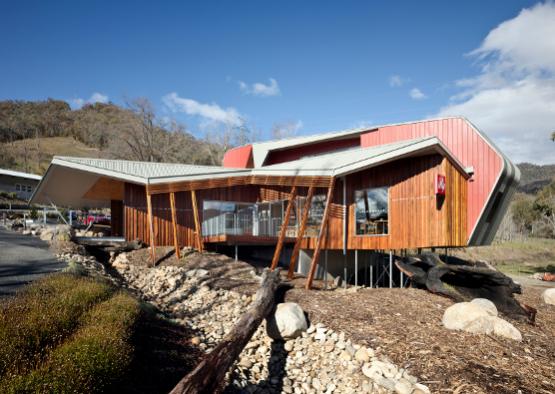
(262, 219)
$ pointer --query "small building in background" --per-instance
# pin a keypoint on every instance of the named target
(20, 183)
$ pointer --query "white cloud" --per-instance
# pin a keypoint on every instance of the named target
(416, 94)
(209, 112)
(96, 97)
(396, 81)
(260, 89)
(513, 97)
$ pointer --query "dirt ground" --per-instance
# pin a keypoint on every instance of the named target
(405, 326)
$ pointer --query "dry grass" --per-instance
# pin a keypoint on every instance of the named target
(95, 357)
(42, 316)
(66, 334)
(39, 152)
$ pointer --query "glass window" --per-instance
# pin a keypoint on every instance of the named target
(372, 211)
(17, 187)
(29, 189)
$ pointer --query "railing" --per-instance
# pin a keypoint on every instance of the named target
(262, 219)
(238, 218)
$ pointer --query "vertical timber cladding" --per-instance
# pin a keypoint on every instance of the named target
(416, 219)
(136, 218)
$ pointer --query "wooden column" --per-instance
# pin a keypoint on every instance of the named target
(284, 225)
(300, 234)
(321, 236)
(198, 230)
(174, 225)
(151, 229)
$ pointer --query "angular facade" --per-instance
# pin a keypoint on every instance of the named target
(433, 183)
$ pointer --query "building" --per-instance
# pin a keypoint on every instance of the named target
(430, 184)
(20, 183)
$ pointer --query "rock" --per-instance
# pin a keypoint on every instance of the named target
(345, 356)
(403, 387)
(362, 355)
(486, 304)
(337, 281)
(493, 325)
(195, 341)
(505, 329)
(419, 388)
(457, 316)
(26, 232)
(47, 234)
(549, 296)
(288, 321)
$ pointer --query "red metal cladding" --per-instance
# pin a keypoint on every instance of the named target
(240, 157)
(297, 152)
(464, 142)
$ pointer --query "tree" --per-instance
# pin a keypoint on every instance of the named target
(544, 205)
(284, 130)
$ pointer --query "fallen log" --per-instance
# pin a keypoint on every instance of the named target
(463, 280)
(209, 374)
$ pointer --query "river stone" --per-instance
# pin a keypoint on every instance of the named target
(287, 322)
(457, 316)
(505, 329)
(486, 304)
(549, 296)
(362, 355)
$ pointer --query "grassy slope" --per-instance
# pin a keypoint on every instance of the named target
(49, 147)
(516, 257)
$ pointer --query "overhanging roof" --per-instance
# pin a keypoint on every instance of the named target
(70, 181)
(353, 160)
(19, 174)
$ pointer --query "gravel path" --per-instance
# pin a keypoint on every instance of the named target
(23, 258)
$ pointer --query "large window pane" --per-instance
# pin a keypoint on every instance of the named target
(371, 211)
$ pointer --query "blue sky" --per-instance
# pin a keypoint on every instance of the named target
(312, 66)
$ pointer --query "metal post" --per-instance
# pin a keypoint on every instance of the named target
(326, 269)
(402, 279)
(356, 267)
(25, 221)
(372, 276)
(71, 218)
(236, 252)
(44, 215)
(345, 272)
(390, 269)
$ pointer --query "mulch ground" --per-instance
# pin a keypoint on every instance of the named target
(405, 326)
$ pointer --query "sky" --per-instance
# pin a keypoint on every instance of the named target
(305, 67)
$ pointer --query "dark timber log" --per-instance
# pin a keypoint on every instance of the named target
(209, 375)
(463, 280)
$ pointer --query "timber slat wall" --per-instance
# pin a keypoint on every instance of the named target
(415, 220)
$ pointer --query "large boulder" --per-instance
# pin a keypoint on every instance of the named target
(549, 296)
(486, 304)
(457, 316)
(493, 325)
(287, 322)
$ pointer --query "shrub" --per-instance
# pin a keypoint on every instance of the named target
(96, 356)
(42, 316)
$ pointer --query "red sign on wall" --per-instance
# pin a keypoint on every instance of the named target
(440, 185)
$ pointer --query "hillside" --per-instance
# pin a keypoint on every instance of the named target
(34, 155)
(534, 177)
(31, 132)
